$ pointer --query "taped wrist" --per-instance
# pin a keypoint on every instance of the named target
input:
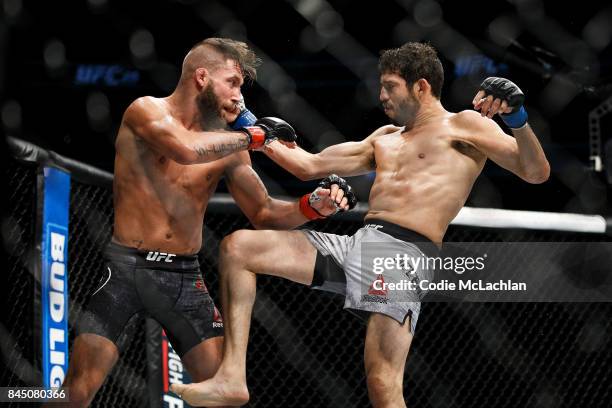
(516, 119)
(307, 210)
(257, 136)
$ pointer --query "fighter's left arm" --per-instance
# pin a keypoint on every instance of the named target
(265, 212)
(522, 154)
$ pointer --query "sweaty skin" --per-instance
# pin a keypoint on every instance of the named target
(425, 170)
(423, 176)
(159, 203)
(168, 163)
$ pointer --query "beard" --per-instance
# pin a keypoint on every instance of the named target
(209, 108)
(406, 112)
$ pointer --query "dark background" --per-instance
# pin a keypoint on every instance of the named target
(559, 54)
(319, 73)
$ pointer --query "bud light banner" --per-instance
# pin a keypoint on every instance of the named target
(54, 276)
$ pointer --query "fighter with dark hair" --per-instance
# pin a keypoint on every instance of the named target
(425, 170)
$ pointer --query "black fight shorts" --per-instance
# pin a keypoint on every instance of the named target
(167, 287)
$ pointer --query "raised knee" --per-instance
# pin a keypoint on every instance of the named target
(233, 246)
(230, 245)
(383, 390)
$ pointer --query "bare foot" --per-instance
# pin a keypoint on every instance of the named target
(216, 392)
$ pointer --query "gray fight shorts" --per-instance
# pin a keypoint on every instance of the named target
(378, 269)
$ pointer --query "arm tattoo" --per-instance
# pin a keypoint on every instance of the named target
(221, 148)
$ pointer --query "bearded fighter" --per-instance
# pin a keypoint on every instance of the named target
(170, 154)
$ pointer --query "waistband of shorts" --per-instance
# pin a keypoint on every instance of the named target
(151, 259)
(425, 244)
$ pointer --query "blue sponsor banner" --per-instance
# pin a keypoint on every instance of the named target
(54, 279)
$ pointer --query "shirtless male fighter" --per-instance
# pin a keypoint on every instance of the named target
(170, 154)
(424, 173)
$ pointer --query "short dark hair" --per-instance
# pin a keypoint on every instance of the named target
(413, 61)
(237, 51)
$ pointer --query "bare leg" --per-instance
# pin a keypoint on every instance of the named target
(93, 357)
(386, 349)
(244, 254)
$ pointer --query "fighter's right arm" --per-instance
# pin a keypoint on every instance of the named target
(344, 159)
(151, 122)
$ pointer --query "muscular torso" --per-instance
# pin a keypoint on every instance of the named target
(423, 176)
(159, 204)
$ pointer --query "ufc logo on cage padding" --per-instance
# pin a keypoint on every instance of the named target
(159, 256)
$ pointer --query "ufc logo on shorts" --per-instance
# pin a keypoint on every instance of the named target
(159, 256)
